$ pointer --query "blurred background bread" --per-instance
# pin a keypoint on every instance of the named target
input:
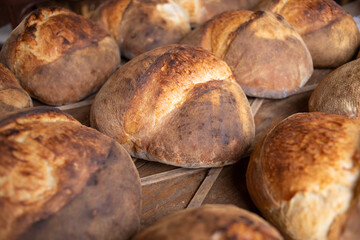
(62, 180)
(304, 175)
(59, 56)
(177, 105)
(267, 56)
(12, 96)
(339, 91)
(329, 32)
(212, 221)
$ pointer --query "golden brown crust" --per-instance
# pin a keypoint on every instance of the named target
(268, 58)
(50, 46)
(303, 174)
(215, 222)
(109, 15)
(12, 96)
(47, 159)
(339, 92)
(328, 31)
(188, 92)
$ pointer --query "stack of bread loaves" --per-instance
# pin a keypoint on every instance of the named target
(62, 180)
(59, 56)
(304, 175)
(267, 56)
(329, 32)
(177, 105)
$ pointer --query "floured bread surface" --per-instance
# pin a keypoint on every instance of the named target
(339, 92)
(178, 105)
(58, 56)
(210, 222)
(329, 32)
(267, 56)
(304, 173)
(12, 96)
(46, 159)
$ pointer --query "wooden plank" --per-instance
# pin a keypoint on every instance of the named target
(205, 187)
(169, 175)
(166, 197)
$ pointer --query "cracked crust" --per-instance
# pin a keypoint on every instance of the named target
(330, 33)
(210, 222)
(304, 173)
(46, 162)
(187, 91)
(58, 56)
(267, 56)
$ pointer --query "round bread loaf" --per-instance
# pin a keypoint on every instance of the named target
(339, 92)
(304, 175)
(177, 105)
(62, 180)
(210, 222)
(330, 33)
(267, 56)
(12, 96)
(59, 56)
(202, 10)
(139, 26)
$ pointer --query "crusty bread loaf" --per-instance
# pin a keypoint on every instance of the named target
(267, 56)
(177, 105)
(304, 174)
(339, 92)
(139, 26)
(59, 56)
(62, 180)
(12, 96)
(210, 222)
(329, 32)
(202, 10)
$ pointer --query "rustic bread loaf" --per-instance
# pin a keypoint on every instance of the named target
(62, 180)
(12, 96)
(210, 222)
(59, 56)
(304, 175)
(139, 26)
(202, 10)
(329, 32)
(268, 58)
(339, 92)
(177, 105)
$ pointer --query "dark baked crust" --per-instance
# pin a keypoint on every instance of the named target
(268, 58)
(12, 96)
(330, 33)
(49, 160)
(218, 222)
(339, 92)
(187, 91)
(58, 56)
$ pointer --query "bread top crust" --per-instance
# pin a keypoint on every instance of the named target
(339, 92)
(12, 96)
(309, 152)
(307, 15)
(46, 35)
(215, 222)
(47, 158)
(109, 15)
